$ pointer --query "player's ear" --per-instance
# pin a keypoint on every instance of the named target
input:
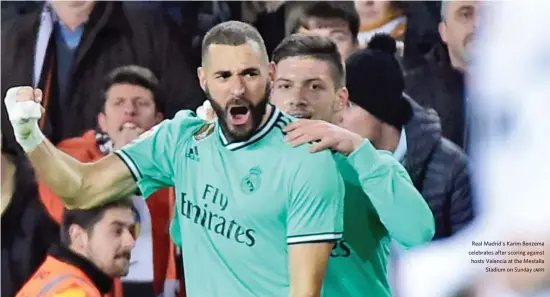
(272, 71)
(342, 99)
(202, 78)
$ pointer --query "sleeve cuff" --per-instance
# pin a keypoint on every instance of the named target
(130, 164)
(363, 157)
(311, 238)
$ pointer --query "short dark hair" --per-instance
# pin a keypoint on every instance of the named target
(343, 10)
(232, 33)
(313, 46)
(137, 76)
(88, 218)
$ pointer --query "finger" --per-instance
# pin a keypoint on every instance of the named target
(295, 125)
(302, 140)
(24, 94)
(37, 95)
(320, 146)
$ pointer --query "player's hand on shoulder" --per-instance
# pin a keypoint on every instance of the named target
(206, 112)
(326, 136)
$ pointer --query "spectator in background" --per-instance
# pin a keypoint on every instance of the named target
(68, 46)
(27, 230)
(439, 84)
(95, 247)
(438, 168)
(132, 104)
(381, 16)
(334, 19)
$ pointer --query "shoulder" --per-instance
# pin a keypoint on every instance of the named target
(86, 143)
(185, 122)
(450, 155)
(75, 287)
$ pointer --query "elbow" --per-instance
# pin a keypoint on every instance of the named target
(420, 232)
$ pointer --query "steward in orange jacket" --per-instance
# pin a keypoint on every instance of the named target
(66, 274)
(87, 148)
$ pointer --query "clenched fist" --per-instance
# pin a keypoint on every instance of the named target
(24, 110)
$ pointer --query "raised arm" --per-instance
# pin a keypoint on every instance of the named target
(77, 184)
(82, 185)
(315, 222)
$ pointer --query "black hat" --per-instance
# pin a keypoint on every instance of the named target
(375, 81)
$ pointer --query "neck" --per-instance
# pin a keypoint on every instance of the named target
(457, 64)
(72, 16)
(389, 139)
(268, 109)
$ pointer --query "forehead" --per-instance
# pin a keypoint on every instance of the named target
(303, 68)
(456, 5)
(128, 90)
(123, 215)
(331, 23)
(235, 58)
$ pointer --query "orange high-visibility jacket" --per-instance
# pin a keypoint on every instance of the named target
(160, 204)
(60, 276)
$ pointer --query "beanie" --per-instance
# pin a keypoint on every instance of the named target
(375, 81)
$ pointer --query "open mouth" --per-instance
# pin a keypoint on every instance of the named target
(127, 125)
(238, 115)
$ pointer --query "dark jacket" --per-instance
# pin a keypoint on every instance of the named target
(27, 231)
(439, 86)
(115, 35)
(439, 170)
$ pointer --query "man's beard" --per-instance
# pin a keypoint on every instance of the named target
(257, 112)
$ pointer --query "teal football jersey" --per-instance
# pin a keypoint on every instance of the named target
(239, 205)
(381, 203)
(357, 266)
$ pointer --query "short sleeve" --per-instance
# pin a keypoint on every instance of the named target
(316, 205)
(150, 157)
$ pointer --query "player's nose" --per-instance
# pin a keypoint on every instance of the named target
(237, 86)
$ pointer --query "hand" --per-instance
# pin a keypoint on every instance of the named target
(24, 110)
(128, 133)
(206, 112)
(327, 135)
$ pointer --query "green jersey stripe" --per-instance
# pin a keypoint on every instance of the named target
(130, 164)
(332, 236)
(259, 134)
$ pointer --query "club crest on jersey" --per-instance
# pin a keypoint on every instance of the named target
(204, 131)
(251, 182)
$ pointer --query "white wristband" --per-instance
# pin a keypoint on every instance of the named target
(28, 134)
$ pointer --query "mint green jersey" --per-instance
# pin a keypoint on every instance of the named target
(239, 205)
(381, 204)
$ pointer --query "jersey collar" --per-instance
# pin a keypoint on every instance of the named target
(259, 134)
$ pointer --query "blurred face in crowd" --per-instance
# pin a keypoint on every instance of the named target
(457, 30)
(305, 88)
(109, 242)
(358, 120)
(336, 29)
(236, 82)
(372, 13)
(128, 104)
